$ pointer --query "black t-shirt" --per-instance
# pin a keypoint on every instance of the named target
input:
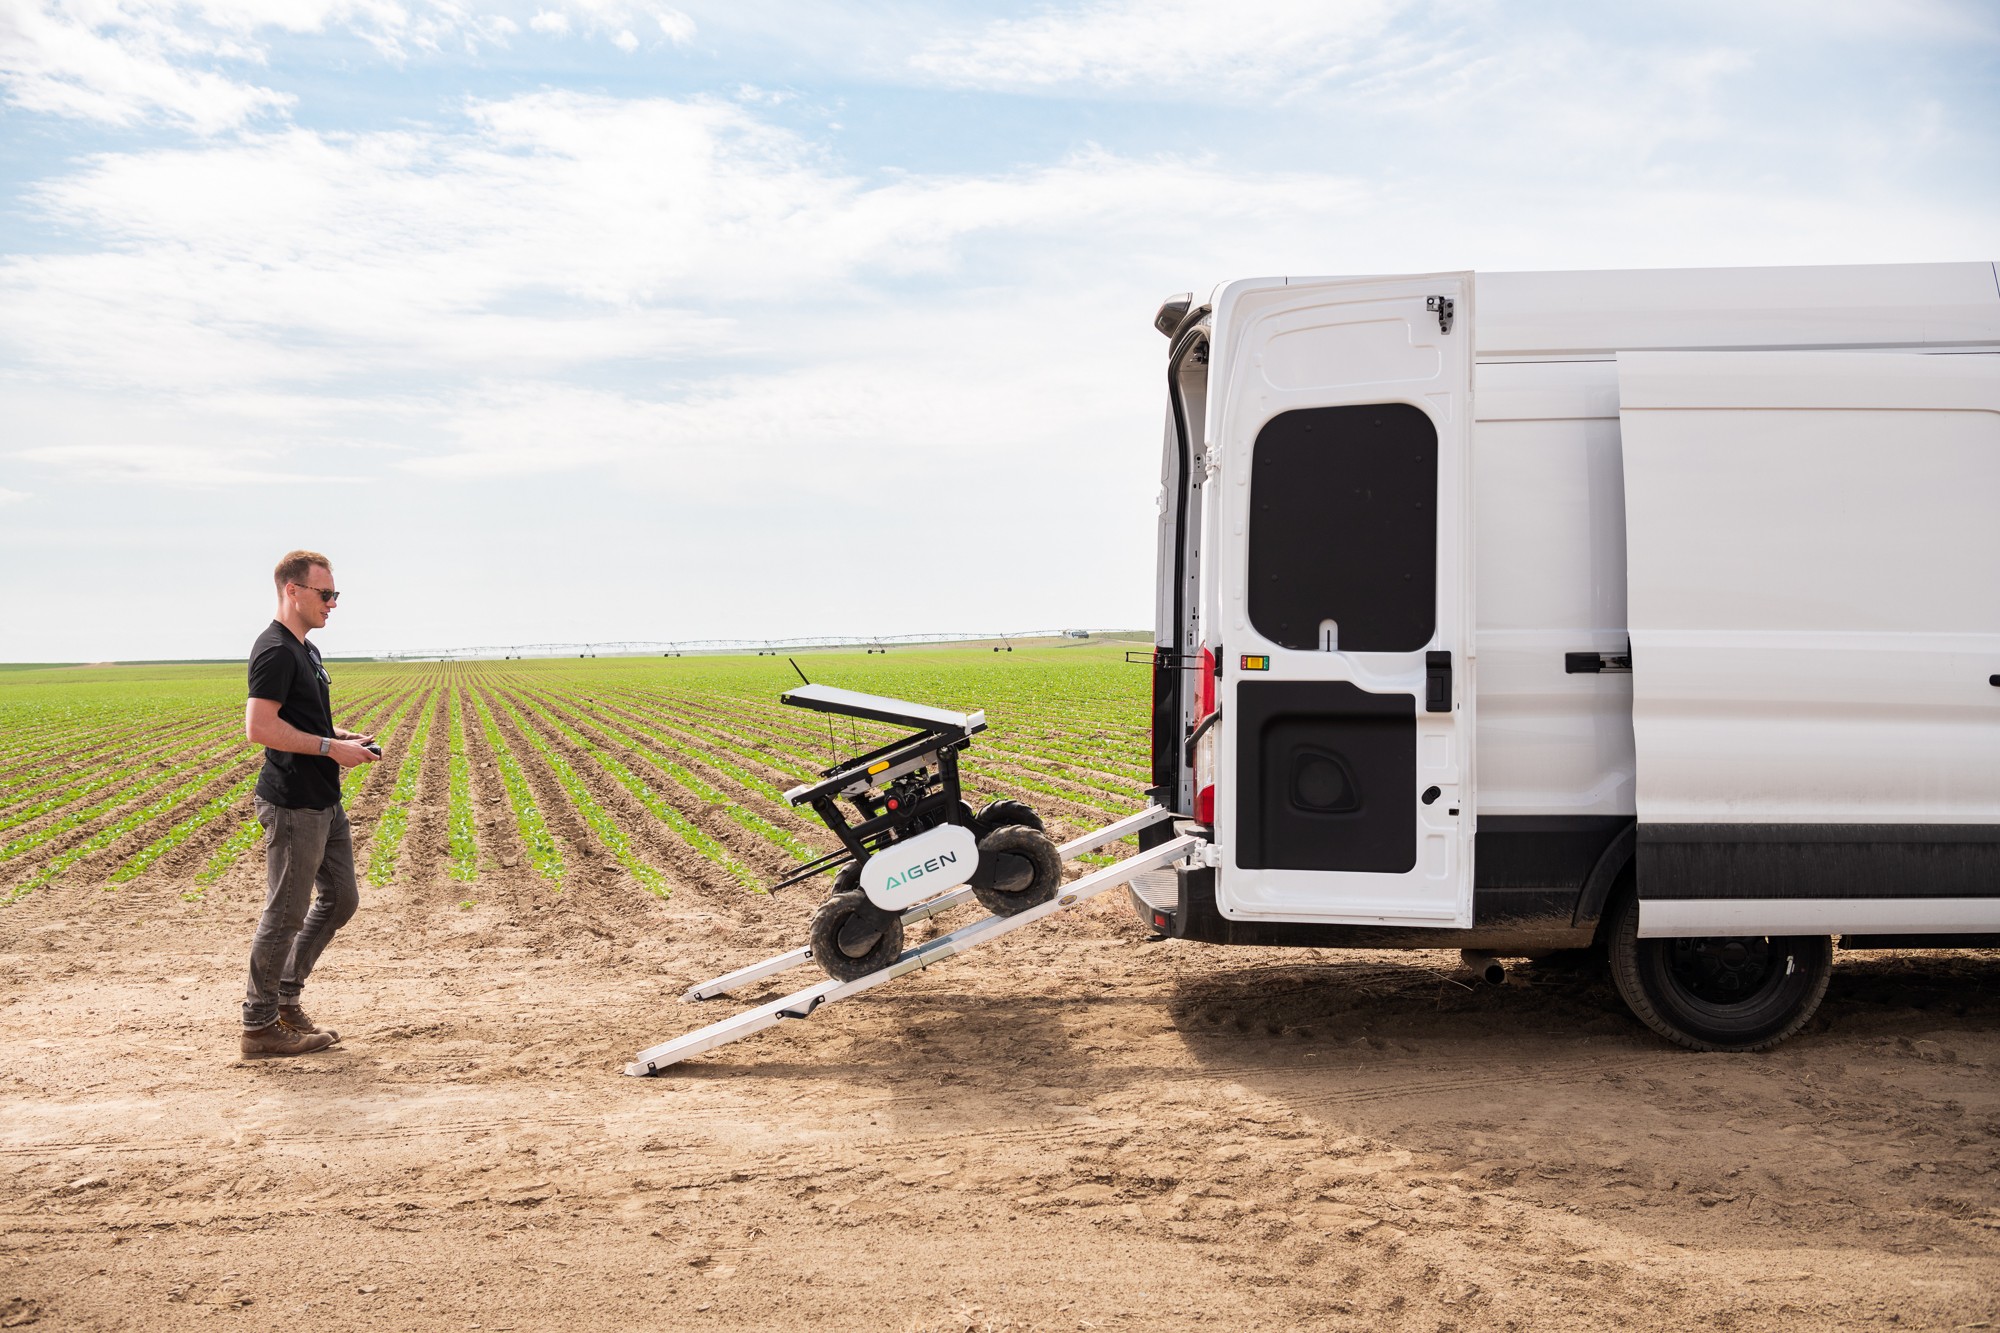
(288, 670)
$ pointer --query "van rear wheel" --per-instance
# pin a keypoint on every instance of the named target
(1721, 993)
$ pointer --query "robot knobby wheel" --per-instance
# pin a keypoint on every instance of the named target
(851, 936)
(1019, 868)
(1006, 814)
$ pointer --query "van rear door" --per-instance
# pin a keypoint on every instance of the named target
(1343, 600)
(1183, 472)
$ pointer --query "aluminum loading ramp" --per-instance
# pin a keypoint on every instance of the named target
(803, 1004)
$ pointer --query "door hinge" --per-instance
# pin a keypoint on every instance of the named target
(1441, 306)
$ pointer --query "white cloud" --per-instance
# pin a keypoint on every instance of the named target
(1165, 48)
(8, 497)
(554, 233)
(202, 64)
(677, 27)
(123, 63)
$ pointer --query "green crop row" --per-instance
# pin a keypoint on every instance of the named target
(794, 737)
(543, 854)
(463, 827)
(140, 861)
(394, 821)
(688, 780)
(75, 819)
(594, 815)
(247, 833)
(58, 770)
(697, 729)
(109, 834)
(680, 737)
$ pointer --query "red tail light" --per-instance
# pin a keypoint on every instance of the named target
(1205, 743)
(1204, 775)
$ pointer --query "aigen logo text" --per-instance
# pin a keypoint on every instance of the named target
(930, 867)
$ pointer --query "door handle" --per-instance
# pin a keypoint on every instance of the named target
(1187, 746)
(1590, 664)
(1437, 682)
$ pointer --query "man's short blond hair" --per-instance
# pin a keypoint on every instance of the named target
(296, 565)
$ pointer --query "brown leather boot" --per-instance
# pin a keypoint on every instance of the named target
(295, 1017)
(280, 1038)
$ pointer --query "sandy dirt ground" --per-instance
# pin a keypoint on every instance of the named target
(1077, 1129)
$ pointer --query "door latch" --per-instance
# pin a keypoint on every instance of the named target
(1441, 306)
(1437, 682)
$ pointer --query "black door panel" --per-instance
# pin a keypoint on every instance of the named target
(1326, 777)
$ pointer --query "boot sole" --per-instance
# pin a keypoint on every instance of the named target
(285, 1055)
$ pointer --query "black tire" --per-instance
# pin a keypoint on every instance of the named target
(851, 936)
(1006, 814)
(1737, 993)
(1019, 868)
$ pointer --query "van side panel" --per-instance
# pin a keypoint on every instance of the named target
(1549, 560)
(1814, 591)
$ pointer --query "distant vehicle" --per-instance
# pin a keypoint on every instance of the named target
(1656, 611)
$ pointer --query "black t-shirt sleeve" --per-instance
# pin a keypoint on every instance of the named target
(271, 673)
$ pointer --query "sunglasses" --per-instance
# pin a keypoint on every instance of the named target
(326, 595)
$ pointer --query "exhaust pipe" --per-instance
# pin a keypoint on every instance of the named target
(1484, 966)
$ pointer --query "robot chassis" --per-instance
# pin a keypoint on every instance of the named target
(915, 838)
(915, 849)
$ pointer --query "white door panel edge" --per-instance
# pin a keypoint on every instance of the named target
(1397, 343)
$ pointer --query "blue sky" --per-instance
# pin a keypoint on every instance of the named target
(590, 319)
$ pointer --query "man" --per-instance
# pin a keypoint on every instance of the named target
(306, 838)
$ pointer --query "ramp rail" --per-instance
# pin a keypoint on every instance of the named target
(804, 1003)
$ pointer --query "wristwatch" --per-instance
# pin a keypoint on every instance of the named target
(325, 744)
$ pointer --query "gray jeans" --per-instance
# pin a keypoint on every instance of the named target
(301, 848)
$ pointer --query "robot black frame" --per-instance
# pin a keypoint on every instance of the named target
(882, 785)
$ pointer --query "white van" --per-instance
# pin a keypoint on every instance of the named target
(1652, 610)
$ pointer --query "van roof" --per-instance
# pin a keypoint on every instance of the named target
(1542, 315)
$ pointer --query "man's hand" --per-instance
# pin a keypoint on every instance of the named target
(357, 737)
(350, 753)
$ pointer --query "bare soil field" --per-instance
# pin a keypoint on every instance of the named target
(1077, 1129)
